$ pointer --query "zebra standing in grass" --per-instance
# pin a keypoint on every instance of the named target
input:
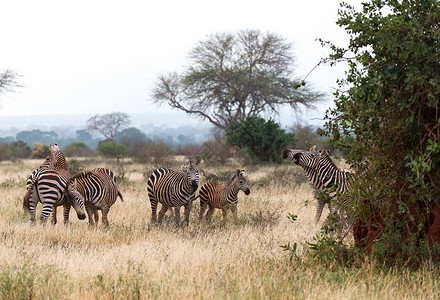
(43, 180)
(215, 195)
(173, 189)
(97, 189)
(49, 187)
(321, 172)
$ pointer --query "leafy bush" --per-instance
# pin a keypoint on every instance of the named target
(263, 139)
(391, 105)
(78, 149)
(110, 148)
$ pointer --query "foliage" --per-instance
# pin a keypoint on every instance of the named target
(108, 124)
(78, 149)
(40, 150)
(130, 134)
(43, 137)
(110, 148)
(389, 101)
(14, 151)
(232, 76)
(262, 139)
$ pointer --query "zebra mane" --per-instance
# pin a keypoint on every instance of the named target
(325, 154)
(233, 177)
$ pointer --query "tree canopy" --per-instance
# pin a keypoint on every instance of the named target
(8, 81)
(108, 124)
(389, 101)
(232, 76)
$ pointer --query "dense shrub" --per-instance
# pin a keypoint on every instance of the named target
(390, 104)
(78, 149)
(262, 139)
(108, 148)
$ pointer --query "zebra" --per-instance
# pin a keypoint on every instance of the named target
(173, 189)
(215, 195)
(48, 186)
(97, 189)
(321, 172)
(56, 161)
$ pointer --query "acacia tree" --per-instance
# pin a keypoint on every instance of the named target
(108, 124)
(233, 76)
(8, 81)
(389, 101)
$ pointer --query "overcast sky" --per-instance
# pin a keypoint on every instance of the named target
(97, 57)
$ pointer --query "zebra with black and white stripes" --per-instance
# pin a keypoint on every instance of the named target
(323, 174)
(56, 162)
(97, 189)
(214, 195)
(49, 187)
(173, 189)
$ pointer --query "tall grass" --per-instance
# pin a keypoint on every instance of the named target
(132, 259)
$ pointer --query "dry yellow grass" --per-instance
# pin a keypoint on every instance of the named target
(133, 259)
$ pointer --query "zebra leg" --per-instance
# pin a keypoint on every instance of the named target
(96, 215)
(187, 211)
(104, 216)
(234, 213)
(224, 213)
(203, 205)
(90, 213)
(47, 210)
(319, 208)
(66, 211)
(153, 203)
(162, 212)
(177, 215)
(209, 213)
(54, 216)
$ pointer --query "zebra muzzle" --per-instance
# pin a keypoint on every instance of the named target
(247, 192)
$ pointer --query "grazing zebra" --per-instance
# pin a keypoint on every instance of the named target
(321, 172)
(55, 161)
(173, 189)
(97, 189)
(215, 195)
(48, 186)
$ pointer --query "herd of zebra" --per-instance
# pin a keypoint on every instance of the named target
(52, 185)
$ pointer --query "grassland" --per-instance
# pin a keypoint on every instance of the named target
(133, 259)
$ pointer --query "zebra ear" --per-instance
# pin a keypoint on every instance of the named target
(325, 152)
(242, 172)
(184, 168)
(198, 160)
(238, 172)
(313, 148)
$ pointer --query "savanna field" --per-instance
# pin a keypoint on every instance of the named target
(133, 259)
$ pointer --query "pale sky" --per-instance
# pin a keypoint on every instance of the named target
(97, 57)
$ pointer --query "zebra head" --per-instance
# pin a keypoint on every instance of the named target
(75, 198)
(192, 172)
(55, 160)
(242, 183)
(308, 159)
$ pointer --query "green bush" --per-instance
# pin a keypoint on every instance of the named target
(263, 139)
(78, 149)
(110, 148)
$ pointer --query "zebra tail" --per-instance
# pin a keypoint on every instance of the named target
(120, 196)
(27, 197)
(26, 205)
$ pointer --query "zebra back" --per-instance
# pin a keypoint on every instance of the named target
(97, 188)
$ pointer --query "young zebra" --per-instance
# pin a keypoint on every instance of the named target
(97, 188)
(215, 195)
(49, 187)
(55, 161)
(321, 172)
(173, 189)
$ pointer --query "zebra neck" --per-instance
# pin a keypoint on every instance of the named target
(232, 189)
